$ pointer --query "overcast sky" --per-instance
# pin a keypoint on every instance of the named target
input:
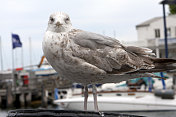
(28, 18)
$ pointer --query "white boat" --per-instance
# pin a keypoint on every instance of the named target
(130, 102)
(45, 69)
(118, 97)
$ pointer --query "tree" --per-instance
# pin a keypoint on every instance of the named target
(172, 9)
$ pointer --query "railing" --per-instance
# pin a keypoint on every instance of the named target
(169, 40)
(18, 85)
(153, 42)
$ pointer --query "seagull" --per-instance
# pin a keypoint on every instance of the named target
(90, 58)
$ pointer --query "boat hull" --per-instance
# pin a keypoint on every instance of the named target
(147, 103)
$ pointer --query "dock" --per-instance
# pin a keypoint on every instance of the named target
(26, 89)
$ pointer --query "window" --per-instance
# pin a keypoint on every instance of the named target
(157, 33)
(168, 32)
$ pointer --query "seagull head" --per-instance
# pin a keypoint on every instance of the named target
(59, 22)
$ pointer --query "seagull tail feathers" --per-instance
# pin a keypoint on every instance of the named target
(161, 64)
(164, 60)
(164, 64)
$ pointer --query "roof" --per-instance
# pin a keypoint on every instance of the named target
(168, 2)
(148, 22)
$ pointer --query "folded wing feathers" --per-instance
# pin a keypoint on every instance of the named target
(114, 58)
(140, 51)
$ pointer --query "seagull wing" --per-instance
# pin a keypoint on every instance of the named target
(92, 40)
(109, 54)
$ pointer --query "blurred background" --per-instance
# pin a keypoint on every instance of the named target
(28, 81)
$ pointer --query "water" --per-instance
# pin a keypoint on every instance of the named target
(3, 113)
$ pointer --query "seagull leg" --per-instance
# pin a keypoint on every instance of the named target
(94, 90)
(85, 97)
(95, 100)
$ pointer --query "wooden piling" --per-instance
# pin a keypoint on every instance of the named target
(174, 81)
(0, 101)
(22, 100)
(28, 98)
(9, 97)
(44, 97)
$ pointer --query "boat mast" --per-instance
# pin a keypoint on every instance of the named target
(30, 53)
(1, 55)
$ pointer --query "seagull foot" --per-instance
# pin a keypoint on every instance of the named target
(101, 114)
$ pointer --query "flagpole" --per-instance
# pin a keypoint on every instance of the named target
(22, 61)
(12, 59)
(15, 43)
(1, 55)
(13, 66)
(15, 58)
(12, 55)
(30, 53)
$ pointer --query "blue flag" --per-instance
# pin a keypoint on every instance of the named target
(16, 41)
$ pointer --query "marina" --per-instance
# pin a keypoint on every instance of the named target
(89, 59)
(26, 89)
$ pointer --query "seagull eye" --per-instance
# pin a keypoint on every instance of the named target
(52, 19)
(67, 19)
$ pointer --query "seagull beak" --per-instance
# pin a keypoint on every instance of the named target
(58, 23)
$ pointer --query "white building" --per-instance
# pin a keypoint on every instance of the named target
(151, 34)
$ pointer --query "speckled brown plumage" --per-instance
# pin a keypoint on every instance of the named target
(77, 54)
(90, 58)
